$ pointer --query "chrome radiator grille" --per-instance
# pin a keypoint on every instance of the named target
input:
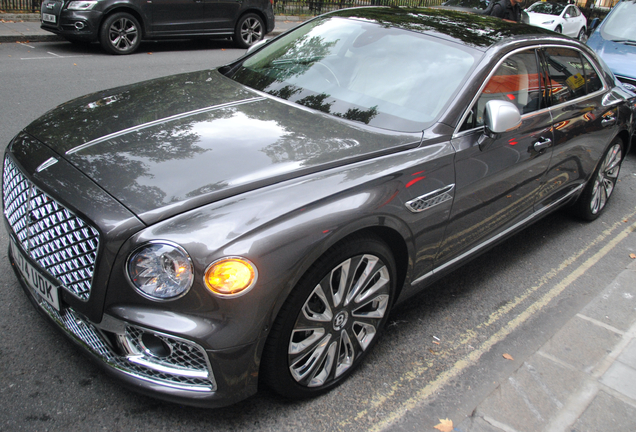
(55, 238)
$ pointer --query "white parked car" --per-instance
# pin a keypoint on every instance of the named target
(558, 17)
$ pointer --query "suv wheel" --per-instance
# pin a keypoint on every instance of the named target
(120, 34)
(249, 30)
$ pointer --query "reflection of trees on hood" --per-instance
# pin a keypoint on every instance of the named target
(100, 114)
(313, 139)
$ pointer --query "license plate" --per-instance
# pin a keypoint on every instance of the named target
(40, 285)
(48, 18)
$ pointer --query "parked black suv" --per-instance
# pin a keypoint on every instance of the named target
(120, 25)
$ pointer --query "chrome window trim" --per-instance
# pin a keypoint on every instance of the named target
(457, 133)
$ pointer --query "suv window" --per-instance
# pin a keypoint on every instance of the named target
(516, 80)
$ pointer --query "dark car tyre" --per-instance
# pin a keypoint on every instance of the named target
(120, 34)
(331, 320)
(558, 29)
(601, 185)
(581, 34)
(249, 30)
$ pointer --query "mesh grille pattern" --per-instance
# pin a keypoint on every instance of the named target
(55, 238)
(185, 356)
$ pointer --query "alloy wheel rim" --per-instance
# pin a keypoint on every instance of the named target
(123, 34)
(339, 320)
(251, 31)
(606, 179)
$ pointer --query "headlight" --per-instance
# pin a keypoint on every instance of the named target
(547, 22)
(161, 270)
(230, 277)
(81, 5)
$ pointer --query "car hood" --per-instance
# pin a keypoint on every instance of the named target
(620, 57)
(165, 146)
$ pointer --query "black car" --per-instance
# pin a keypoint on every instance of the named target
(201, 234)
(121, 25)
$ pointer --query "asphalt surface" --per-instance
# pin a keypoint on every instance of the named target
(557, 299)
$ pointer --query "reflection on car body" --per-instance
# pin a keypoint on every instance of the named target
(256, 223)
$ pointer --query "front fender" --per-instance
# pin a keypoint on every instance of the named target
(283, 229)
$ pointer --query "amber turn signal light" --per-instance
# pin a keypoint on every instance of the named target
(230, 277)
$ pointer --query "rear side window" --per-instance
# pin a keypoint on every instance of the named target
(516, 80)
(567, 81)
(592, 81)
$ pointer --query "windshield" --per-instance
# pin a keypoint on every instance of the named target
(359, 70)
(547, 8)
(619, 24)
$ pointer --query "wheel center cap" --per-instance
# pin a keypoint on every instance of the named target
(340, 320)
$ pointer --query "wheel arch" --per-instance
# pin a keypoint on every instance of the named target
(390, 235)
(625, 137)
(258, 12)
(127, 9)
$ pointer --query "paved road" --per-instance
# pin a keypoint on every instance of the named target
(440, 356)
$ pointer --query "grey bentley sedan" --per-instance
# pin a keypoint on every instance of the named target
(202, 234)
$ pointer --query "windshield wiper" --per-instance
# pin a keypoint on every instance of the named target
(301, 60)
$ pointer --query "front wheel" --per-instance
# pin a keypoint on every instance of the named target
(581, 35)
(120, 34)
(331, 320)
(558, 29)
(599, 188)
(249, 30)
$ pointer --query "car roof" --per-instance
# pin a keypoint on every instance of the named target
(474, 30)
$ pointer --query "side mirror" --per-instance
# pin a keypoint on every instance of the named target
(595, 22)
(499, 116)
(258, 44)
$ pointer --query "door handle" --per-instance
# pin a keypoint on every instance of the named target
(542, 144)
(608, 121)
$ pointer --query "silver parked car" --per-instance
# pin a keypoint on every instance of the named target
(202, 233)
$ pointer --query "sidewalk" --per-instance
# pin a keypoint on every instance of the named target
(26, 28)
(583, 379)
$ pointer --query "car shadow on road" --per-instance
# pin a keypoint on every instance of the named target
(147, 47)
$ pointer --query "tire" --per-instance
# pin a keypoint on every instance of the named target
(249, 30)
(599, 188)
(329, 324)
(581, 35)
(120, 34)
(558, 29)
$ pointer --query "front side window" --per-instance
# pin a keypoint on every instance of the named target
(516, 80)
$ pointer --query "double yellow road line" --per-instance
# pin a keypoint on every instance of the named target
(607, 240)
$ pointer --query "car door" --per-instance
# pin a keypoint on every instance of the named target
(497, 183)
(222, 13)
(570, 25)
(177, 16)
(583, 124)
